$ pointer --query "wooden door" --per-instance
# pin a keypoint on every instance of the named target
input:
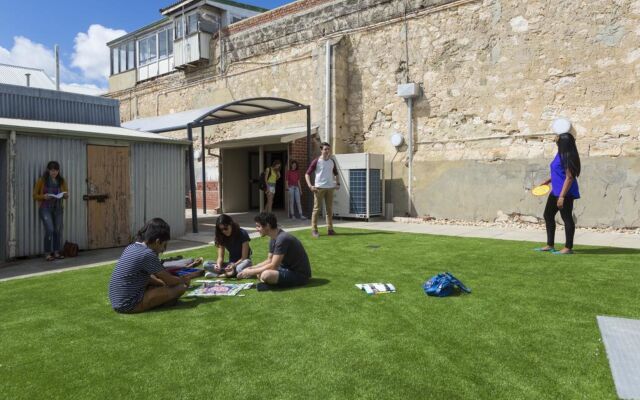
(108, 196)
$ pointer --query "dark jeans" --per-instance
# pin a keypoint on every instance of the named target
(52, 221)
(550, 211)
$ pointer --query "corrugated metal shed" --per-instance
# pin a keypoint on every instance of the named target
(157, 165)
(51, 105)
(32, 155)
(152, 164)
(85, 131)
(16, 75)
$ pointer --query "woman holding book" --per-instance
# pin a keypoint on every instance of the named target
(50, 190)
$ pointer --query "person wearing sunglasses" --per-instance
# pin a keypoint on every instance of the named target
(229, 237)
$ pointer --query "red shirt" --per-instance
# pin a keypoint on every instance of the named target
(292, 177)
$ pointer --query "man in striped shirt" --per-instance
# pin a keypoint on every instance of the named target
(139, 282)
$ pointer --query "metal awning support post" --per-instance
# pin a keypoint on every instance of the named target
(204, 172)
(309, 199)
(261, 164)
(192, 179)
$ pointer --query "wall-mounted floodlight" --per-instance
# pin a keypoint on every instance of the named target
(560, 126)
(397, 139)
(196, 154)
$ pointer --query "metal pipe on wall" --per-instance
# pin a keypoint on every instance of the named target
(410, 151)
(327, 94)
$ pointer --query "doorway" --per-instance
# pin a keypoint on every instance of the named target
(254, 174)
(108, 196)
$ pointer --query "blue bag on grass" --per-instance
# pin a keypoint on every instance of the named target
(443, 285)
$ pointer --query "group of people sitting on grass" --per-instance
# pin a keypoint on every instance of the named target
(139, 282)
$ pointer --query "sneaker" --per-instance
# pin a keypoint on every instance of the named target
(262, 287)
(302, 217)
(315, 233)
(331, 232)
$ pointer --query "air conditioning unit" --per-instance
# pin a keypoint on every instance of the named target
(361, 194)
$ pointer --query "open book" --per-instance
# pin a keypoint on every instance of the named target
(55, 196)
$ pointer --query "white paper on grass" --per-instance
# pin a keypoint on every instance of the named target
(373, 288)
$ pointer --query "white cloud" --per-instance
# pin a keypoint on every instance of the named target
(26, 53)
(91, 54)
(86, 88)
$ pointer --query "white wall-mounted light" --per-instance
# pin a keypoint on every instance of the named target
(196, 154)
(561, 125)
(397, 139)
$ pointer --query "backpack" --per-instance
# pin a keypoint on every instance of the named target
(70, 249)
(262, 181)
(443, 285)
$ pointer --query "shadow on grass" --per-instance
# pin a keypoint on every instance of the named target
(185, 303)
(313, 282)
(363, 233)
(607, 251)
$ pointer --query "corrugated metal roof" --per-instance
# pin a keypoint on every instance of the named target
(21, 102)
(213, 2)
(80, 130)
(16, 75)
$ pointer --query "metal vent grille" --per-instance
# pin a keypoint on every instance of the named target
(358, 191)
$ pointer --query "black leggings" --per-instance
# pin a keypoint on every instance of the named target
(550, 211)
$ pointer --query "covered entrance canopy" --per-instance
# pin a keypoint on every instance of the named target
(234, 111)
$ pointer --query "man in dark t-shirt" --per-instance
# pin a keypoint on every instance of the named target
(287, 264)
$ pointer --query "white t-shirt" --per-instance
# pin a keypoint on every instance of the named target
(324, 170)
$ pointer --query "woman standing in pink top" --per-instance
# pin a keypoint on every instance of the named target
(292, 182)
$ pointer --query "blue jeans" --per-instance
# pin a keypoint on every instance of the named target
(52, 221)
(294, 199)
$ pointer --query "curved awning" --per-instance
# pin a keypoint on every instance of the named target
(234, 111)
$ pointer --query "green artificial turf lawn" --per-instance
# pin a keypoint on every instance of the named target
(528, 330)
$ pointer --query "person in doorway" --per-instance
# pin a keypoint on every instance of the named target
(50, 190)
(230, 237)
(292, 182)
(325, 182)
(271, 175)
(565, 169)
(287, 263)
(139, 282)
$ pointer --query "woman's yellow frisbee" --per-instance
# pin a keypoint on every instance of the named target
(541, 190)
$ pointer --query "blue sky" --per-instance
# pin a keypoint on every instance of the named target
(30, 29)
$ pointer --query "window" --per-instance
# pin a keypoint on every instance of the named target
(235, 19)
(162, 44)
(192, 23)
(170, 40)
(122, 58)
(114, 61)
(178, 27)
(131, 59)
(157, 46)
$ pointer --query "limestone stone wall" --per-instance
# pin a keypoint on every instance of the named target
(494, 74)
